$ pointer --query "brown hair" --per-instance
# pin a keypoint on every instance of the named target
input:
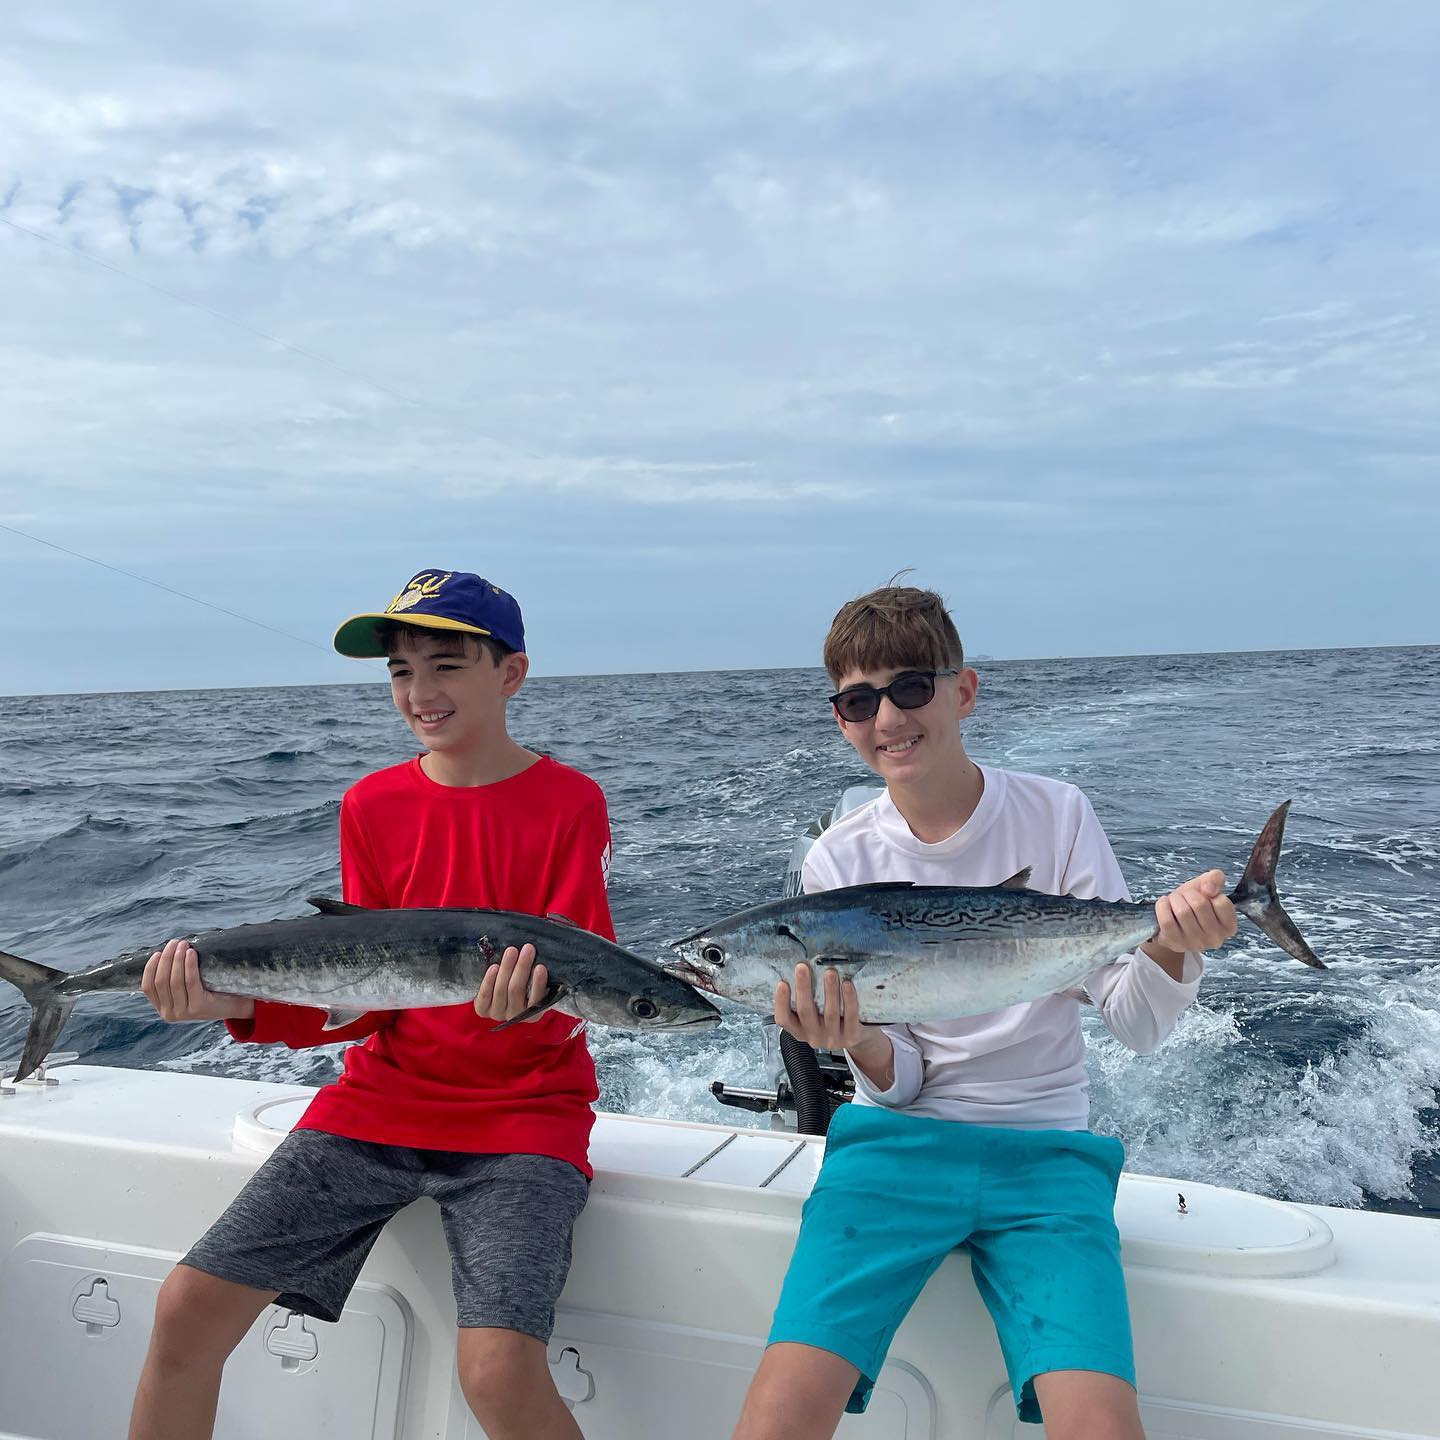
(892, 627)
(395, 633)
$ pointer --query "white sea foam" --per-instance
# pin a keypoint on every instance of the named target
(1215, 1105)
(1282, 1081)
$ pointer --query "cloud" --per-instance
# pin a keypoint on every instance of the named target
(827, 273)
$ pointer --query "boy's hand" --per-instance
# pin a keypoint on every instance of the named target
(1196, 916)
(839, 1028)
(510, 988)
(172, 985)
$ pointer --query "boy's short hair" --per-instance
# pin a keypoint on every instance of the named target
(393, 633)
(894, 627)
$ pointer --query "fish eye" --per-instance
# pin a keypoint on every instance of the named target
(713, 955)
(643, 1009)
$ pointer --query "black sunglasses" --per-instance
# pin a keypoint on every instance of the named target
(907, 691)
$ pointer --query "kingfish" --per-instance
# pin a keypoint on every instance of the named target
(939, 952)
(349, 960)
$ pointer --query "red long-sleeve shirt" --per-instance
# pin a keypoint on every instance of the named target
(440, 1079)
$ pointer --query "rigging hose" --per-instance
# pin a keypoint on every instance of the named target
(812, 1102)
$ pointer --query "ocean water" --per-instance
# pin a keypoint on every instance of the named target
(125, 819)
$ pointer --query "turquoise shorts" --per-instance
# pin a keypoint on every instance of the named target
(1034, 1208)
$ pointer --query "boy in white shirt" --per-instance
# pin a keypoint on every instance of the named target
(992, 1109)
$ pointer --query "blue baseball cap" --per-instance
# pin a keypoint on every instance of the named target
(438, 600)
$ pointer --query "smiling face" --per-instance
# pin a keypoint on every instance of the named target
(451, 691)
(904, 747)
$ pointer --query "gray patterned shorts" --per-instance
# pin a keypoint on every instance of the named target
(307, 1218)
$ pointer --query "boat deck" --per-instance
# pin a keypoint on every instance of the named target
(1253, 1319)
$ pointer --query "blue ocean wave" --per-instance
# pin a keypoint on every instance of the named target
(129, 818)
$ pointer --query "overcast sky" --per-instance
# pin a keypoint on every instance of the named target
(1116, 321)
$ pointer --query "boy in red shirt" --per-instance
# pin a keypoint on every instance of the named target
(495, 1127)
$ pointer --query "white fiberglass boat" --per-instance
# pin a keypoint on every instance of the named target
(1254, 1319)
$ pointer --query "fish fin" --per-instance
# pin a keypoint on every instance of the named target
(1255, 895)
(561, 919)
(327, 906)
(37, 984)
(1076, 992)
(337, 1018)
(789, 934)
(551, 998)
(1020, 880)
(45, 1026)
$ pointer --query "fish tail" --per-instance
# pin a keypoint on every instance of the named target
(38, 984)
(1255, 895)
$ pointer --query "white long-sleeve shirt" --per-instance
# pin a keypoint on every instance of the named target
(1023, 1066)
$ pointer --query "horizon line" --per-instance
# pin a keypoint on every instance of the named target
(728, 670)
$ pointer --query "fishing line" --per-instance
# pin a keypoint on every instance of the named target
(169, 589)
(300, 350)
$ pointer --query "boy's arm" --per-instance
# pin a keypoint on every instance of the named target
(884, 1060)
(1140, 995)
(300, 1026)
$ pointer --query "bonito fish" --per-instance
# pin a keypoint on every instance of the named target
(350, 960)
(939, 952)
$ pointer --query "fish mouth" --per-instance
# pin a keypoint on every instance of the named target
(699, 1022)
(691, 974)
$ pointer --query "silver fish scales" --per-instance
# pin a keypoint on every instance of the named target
(350, 960)
(920, 952)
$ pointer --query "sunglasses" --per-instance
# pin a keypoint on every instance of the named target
(907, 691)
